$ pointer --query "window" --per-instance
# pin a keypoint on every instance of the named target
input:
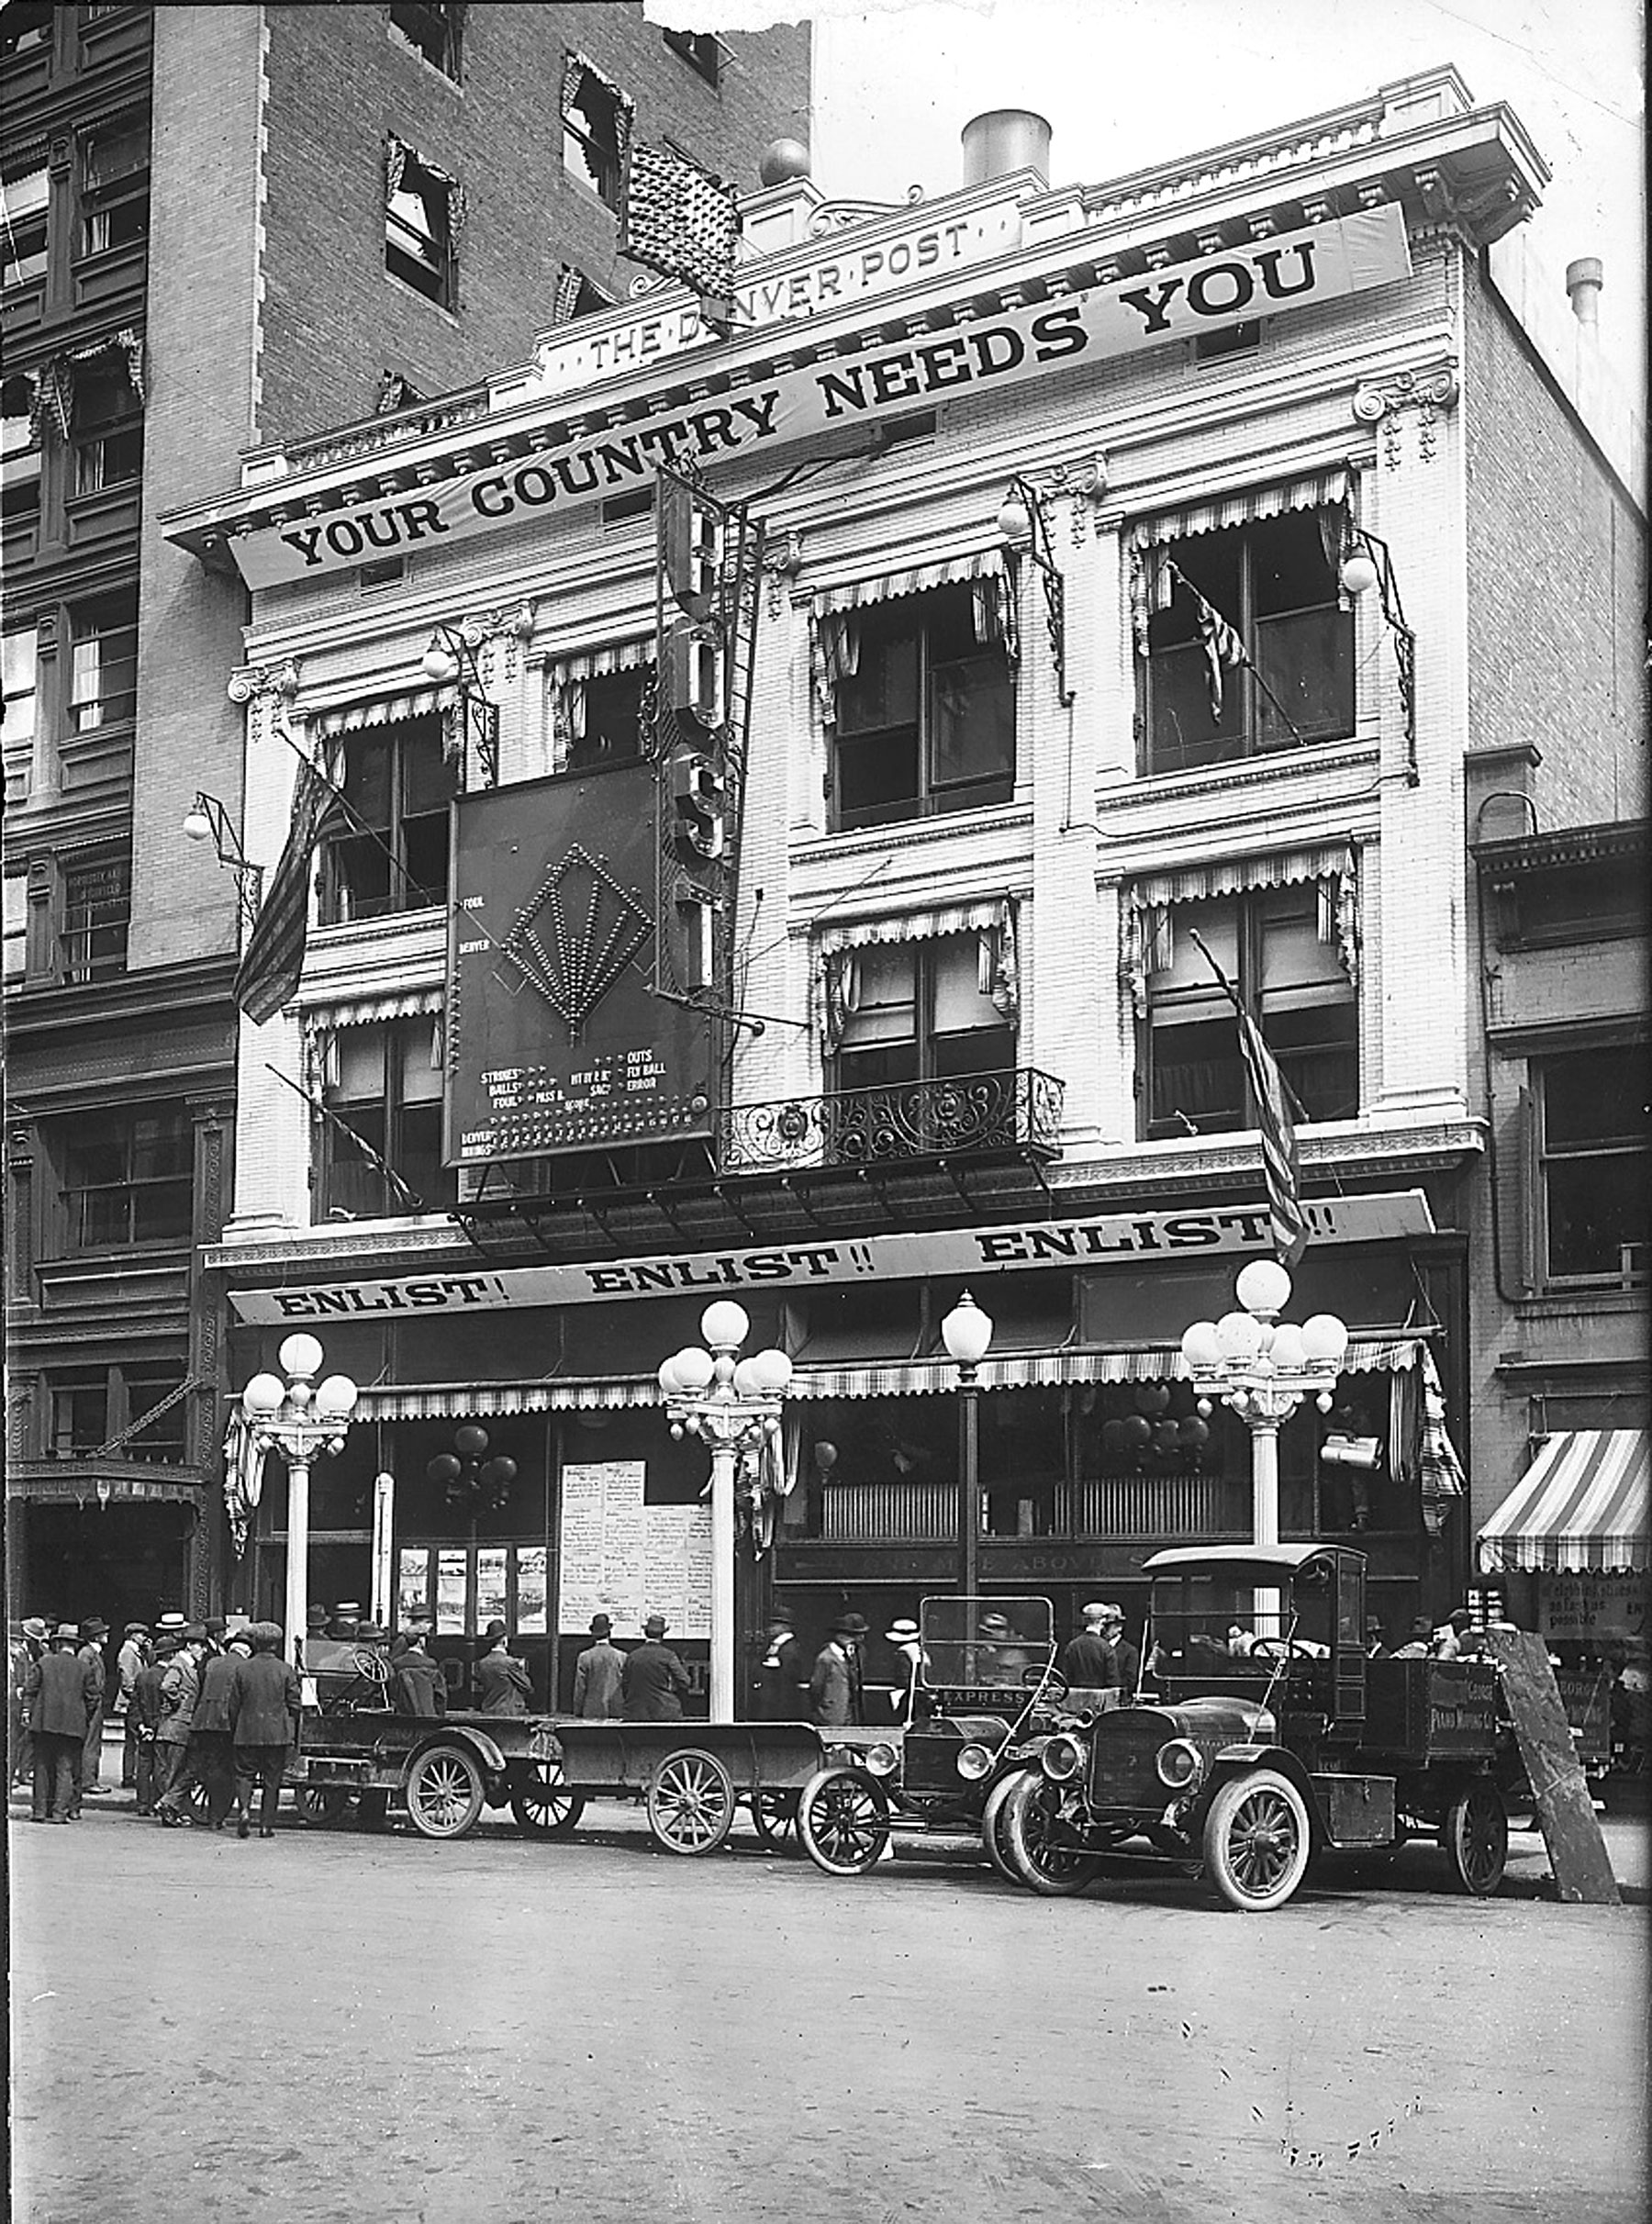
(80, 1412)
(419, 227)
(1274, 582)
(432, 32)
(399, 782)
(1594, 1163)
(90, 1405)
(387, 1083)
(925, 712)
(575, 296)
(699, 50)
(1243, 338)
(103, 683)
(1267, 943)
(20, 456)
(98, 904)
(163, 1439)
(23, 224)
(920, 1011)
(108, 430)
(127, 1177)
(25, 24)
(608, 726)
(595, 124)
(18, 662)
(115, 186)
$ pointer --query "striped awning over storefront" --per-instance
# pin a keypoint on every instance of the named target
(1581, 1508)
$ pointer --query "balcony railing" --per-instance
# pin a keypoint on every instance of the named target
(972, 1114)
(1194, 1509)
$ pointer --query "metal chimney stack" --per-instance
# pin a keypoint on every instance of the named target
(1003, 142)
(1584, 280)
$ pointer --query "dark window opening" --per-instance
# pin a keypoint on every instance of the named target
(399, 782)
(387, 1082)
(577, 296)
(898, 430)
(80, 1412)
(432, 32)
(1274, 584)
(926, 721)
(919, 1012)
(1588, 902)
(115, 186)
(25, 24)
(102, 685)
(619, 507)
(108, 430)
(1595, 1147)
(591, 136)
(97, 906)
(419, 232)
(1293, 984)
(699, 50)
(163, 1441)
(1241, 338)
(128, 1178)
(613, 727)
(385, 572)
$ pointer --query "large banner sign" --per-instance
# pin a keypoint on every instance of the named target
(1322, 262)
(1117, 1239)
(555, 1041)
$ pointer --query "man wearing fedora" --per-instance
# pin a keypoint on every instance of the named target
(134, 1651)
(61, 1690)
(92, 1631)
(834, 1688)
(654, 1682)
(783, 1692)
(209, 1756)
(597, 1674)
(265, 1701)
(502, 1680)
(144, 1711)
(1126, 1655)
(30, 1645)
(1088, 1662)
(417, 1684)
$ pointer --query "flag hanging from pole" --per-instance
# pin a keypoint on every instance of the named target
(1224, 650)
(1281, 1167)
(274, 957)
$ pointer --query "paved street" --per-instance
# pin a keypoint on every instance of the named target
(345, 2026)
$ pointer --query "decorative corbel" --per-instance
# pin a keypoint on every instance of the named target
(1429, 393)
(782, 562)
(249, 680)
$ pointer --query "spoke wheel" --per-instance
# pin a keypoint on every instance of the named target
(1475, 1835)
(995, 1834)
(1256, 1840)
(325, 1805)
(690, 1803)
(1040, 1843)
(843, 1820)
(541, 1802)
(774, 1819)
(445, 1791)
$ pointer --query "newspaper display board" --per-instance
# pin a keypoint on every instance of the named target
(626, 1559)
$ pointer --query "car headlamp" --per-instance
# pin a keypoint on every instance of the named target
(1179, 1764)
(880, 1759)
(974, 1761)
(1062, 1759)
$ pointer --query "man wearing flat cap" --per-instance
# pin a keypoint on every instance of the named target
(502, 1680)
(597, 1674)
(1088, 1662)
(654, 1682)
(834, 1688)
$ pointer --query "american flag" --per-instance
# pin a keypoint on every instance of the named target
(1281, 1167)
(274, 958)
(681, 220)
(1224, 650)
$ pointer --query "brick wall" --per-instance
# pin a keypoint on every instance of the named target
(339, 82)
(1556, 581)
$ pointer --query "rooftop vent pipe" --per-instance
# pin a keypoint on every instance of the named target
(1003, 142)
(1584, 280)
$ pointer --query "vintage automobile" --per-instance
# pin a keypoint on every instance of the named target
(985, 1697)
(1262, 1736)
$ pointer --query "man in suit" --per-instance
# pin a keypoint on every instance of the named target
(144, 1710)
(32, 1639)
(834, 1686)
(265, 1700)
(597, 1674)
(415, 1682)
(92, 1631)
(1088, 1662)
(654, 1682)
(502, 1684)
(1125, 1653)
(61, 1690)
(783, 1692)
(133, 1653)
(180, 1689)
(209, 1757)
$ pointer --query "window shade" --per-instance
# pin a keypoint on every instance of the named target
(1148, 929)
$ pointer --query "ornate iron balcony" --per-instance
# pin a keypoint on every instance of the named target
(974, 1115)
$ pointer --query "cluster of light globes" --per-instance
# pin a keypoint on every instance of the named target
(333, 1400)
(1257, 1342)
(696, 1374)
(461, 1477)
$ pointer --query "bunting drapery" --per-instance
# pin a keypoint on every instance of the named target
(1148, 929)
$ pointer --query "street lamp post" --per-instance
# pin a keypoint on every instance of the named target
(967, 1332)
(1262, 1367)
(733, 1406)
(300, 1419)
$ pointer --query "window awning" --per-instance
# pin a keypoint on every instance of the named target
(464, 1402)
(384, 709)
(915, 579)
(593, 663)
(1579, 1508)
(370, 1011)
(989, 913)
(834, 652)
(1216, 513)
(1034, 1371)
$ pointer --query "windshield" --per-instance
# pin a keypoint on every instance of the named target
(985, 1643)
(1219, 1624)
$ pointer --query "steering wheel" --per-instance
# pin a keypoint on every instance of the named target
(1052, 1679)
(1279, 1649)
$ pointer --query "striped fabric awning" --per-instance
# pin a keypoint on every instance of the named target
(1044, 1370)
(1581, 1508)
(384, 710)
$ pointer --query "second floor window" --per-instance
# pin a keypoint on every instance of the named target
(102, 671)
(97, 907)
(386, 1082)
(128, 1178)
(1273, 583)
(1594, 1155)
(925, 710)
(1267, 943)
(399, 782)
(920, 1012)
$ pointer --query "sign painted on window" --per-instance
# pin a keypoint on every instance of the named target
(1120, 1238)
(555, 1041)
(1296, 270)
